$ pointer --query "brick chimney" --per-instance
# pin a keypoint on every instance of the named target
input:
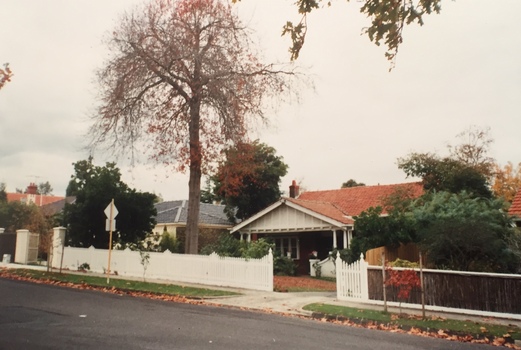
(294, 189)
(32, 188)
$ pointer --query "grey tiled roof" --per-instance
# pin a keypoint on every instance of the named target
(56, 207)
(172, 212)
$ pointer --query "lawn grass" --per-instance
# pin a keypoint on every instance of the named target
(430, 324)
(118, 283)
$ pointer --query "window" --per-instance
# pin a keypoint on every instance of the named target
(288, 246)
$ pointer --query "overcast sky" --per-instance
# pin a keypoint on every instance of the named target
(462, 68)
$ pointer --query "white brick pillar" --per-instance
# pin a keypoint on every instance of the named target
(21, 254)
(58, 241)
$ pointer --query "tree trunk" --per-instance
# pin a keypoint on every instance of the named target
(194, 184)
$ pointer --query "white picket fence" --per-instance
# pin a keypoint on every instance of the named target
(202, 269)
(351, 280)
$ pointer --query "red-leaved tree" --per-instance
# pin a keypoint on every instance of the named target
(248, 179)
(183, 81)
(404, 280)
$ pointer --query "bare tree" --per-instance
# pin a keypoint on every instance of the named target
(474, 149)
(45, 188)
(183, 81)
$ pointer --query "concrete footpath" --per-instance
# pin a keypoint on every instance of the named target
(290, 303)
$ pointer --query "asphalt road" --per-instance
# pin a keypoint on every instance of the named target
(36, 316)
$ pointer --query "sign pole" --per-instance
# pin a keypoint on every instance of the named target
(111, 217)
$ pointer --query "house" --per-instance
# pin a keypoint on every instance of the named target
(515, 209)
(172, 215)
(56, 207)
(31, 196)
(318, 220)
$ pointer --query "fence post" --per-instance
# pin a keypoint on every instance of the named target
(383, 282)
(422, 286)
(270, 270)
(364, 281)
(339, 281)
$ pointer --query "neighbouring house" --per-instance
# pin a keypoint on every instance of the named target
(31, 196)
(515, 208)
(172, 215)
(317, 221)
(56, 207)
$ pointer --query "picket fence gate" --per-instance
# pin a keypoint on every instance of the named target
(351, 280)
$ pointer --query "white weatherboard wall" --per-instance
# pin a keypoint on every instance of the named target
(203, 269)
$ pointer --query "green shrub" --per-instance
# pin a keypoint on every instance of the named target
(404, 263)
(226, 245)
(170, 243)
(346, 255)
(84, 267)
(257, 249)
(284, 266)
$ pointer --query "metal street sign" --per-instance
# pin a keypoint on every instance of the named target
(110, 211)
(114, 211)
(108, 226)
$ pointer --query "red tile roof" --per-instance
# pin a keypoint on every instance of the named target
(353, 200)
(515, 208)
(35, 198)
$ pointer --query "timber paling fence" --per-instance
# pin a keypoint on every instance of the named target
(202, 269)
(462, 290)
(492, 292)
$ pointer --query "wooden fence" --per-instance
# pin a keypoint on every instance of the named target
(458, 289)
(491, 293)
(7, 244)
(407, 251)
(210, 270)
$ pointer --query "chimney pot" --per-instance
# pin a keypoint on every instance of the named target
(32, 188)
(294, 189)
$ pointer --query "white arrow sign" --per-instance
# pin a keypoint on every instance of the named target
(114, 211)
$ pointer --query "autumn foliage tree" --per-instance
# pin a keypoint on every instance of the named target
(183, 81)
(5, 75)
(507, 181)
(248, 179)
(388, 19)
(403, 280)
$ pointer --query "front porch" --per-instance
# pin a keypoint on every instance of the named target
(298, 231)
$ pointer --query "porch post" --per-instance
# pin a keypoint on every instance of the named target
(248, 237)
(349, 237)
(344, 239)
(334, 239)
